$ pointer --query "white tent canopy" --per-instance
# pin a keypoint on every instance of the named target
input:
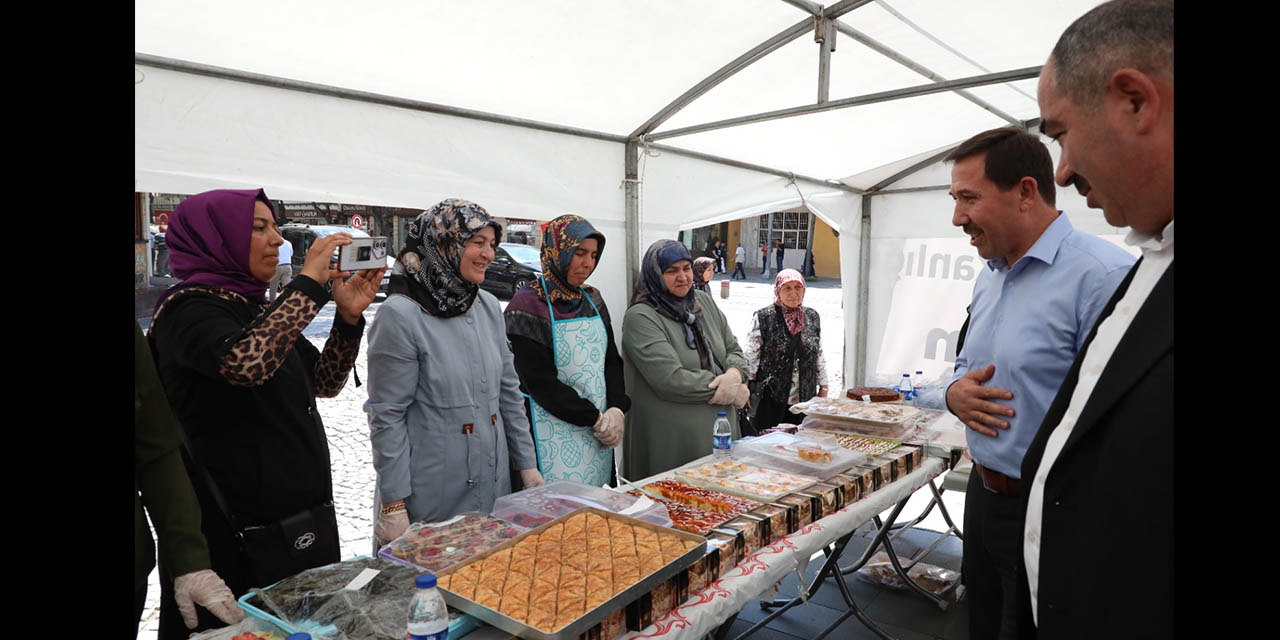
(534, 109)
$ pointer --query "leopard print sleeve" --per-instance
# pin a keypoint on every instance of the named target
(336, 361)
(255, 357)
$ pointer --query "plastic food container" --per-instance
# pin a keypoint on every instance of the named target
(540, 505)
(745, 480)
(435, 546)
(359, 597)
(811, 454)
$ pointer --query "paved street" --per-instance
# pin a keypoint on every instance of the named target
(344, 418)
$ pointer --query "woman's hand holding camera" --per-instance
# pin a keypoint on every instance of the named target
(352, 295)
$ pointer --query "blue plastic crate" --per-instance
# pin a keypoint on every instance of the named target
(458, 627)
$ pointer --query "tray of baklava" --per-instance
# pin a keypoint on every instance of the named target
(560, 579)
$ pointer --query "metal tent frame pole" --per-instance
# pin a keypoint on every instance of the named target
(844, 103)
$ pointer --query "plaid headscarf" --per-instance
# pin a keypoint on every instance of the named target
(428, 268)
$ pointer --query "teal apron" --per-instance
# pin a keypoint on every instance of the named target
(568, 451)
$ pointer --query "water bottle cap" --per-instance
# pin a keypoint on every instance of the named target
(299, 636)
(722, 414)
(906, 375)
(426, 581)
(919, 372)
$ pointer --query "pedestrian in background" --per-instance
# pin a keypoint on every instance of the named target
(160, 484)
(721, 252)
(162, 250)
(739, 257)
(243, 380)
(569, 366)
(683, 365)
(284, 271)
(446, 416)
(704, 270)
(777, 254)
(784, 353)
(764, 258)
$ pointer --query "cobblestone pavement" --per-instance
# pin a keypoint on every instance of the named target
(348, 428)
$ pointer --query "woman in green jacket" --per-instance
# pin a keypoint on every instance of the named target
(683, 366)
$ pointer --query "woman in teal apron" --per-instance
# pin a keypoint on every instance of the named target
(567, 358)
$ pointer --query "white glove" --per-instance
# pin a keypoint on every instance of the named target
(744, 394)
(725, 385)
(391, 526)
(531, 478)
(206, 589)
(608, 429)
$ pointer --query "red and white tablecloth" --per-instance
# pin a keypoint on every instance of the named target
(707, 609)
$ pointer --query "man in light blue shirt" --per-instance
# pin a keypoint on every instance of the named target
(1032, 309)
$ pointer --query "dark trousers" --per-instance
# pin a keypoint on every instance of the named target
(771, 412)
(738, 269)
(779, 263)
(992, 560)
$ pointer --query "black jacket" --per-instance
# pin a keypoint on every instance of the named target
(1106, 549)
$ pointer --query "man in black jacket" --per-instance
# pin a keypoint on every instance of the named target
(1101, 464)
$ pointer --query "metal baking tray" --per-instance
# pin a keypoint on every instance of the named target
(602, 610)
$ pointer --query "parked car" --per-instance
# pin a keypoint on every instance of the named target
(512, 266)
(302, 236)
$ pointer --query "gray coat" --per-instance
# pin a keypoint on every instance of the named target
(431, 380)
(670, 421)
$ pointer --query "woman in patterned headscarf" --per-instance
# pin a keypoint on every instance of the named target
(242, 381)
(569, 366)
(683, 365)
(784, 353)
(445, 412)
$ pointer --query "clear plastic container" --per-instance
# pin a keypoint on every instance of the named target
(820, 457)
(436, 546)
(542, 504)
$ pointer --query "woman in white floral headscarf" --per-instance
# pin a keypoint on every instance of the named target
(446, 416)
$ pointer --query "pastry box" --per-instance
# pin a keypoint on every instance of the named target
(850, 486)
(813, 454)
(831, 495)
(779, 521)
(542, 504)
(729, 551)
(745, 480)
(803, 509)
(559, 580)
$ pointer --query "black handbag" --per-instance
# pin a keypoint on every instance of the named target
(272, 552)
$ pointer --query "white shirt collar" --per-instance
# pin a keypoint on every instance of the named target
(1151, 241)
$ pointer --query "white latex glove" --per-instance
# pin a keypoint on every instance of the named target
(725, 385)
(206, 589)
(744, 394)
(390, 527)
(608, 429)
(531, 478)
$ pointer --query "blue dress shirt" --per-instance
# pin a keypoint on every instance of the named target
(1030, 320)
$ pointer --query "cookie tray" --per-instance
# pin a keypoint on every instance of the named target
(601, 611)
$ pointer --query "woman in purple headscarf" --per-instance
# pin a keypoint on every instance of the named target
(243, 381)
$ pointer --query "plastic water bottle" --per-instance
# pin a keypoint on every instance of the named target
(428, 616)
(905, 387)
(918, 389)
(721, 432)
